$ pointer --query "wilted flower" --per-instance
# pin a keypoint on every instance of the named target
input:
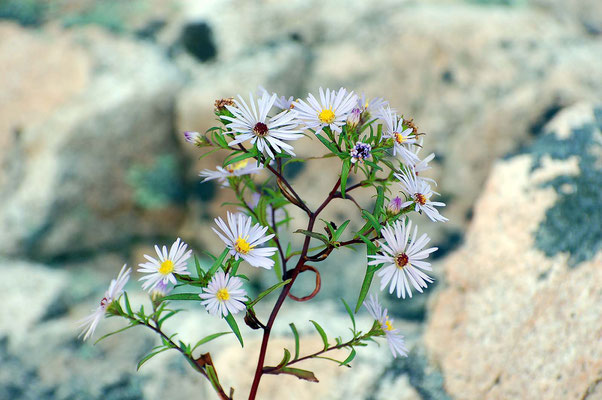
(112, 294)
(394, 338)
(244, 167)
(420, 193)
(224, 295)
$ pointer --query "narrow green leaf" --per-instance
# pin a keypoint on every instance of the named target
(314, 235)
(349, 312)
(349, 358)
(345, 175)
(132, 324)
(267, 291)
(370, 270)
(209, 153)
(234, 326)
(239, 158)
(321, 332)
(369, 243)
(182, 296)
(149, 356)
(341, 229)
(296, 335)
(372, 220)
(285, 359)
(218, 263)
(208, 339)
(212, 375)
(128, 307)
(199, 270)
(328, 144)
(380, 201)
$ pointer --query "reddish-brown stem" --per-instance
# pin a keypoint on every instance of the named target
(285, 291)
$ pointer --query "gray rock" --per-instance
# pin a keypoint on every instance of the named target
(102, 167)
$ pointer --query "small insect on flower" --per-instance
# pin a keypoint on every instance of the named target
(269, 134)
(224, 295)
(403, 260)
(244, 167)
(332, 110)
(420, 193)
(360, 152)
(168, 264)
(112, 294)
(401, 138)
(242, 240)
(394, 338)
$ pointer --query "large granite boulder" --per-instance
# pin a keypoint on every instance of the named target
(521, 315)
(91, 163)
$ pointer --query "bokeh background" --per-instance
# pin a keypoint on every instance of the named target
(94, 96)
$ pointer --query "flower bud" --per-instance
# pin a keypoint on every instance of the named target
(196, 138)
(394, 206)
(354, 117)
(360, 152)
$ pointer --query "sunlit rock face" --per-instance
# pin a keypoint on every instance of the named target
(520, 315)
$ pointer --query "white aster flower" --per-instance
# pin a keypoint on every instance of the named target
(244, 167)
(371, 106)
(253, 123)
(332, 110)
(403, 260)
(420, 193)
(394, 337)
(112, 294)
(168, 264)
(281, 102)
(401, 138)
(224, 295)
(242, 240)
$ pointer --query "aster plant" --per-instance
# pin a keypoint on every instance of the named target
(376, 150)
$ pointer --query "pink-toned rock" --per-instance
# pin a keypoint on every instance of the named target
(514, 322)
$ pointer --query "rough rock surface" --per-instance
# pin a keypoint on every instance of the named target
(521, 317)
(99, 166)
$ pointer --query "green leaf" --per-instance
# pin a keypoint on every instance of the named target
(370, 270)
(149, 356)
(349, 358)
(218, 262)
(208, 339)
(182, 296)
(372, 220)
(132, 324)
(345, 175)
(199, 270)
(239, 158)
(328, 144)
(380, 201)
(234, 326)
(321, 332)
(349, 312)
(314, 235)
(268, 291)
(128, 307)
(340, 230)
(212, 375)
(285, 359)
(296, 335)
(369, 244)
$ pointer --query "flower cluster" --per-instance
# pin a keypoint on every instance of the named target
(375, 149)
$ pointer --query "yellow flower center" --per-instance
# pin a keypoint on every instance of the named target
(236, 166)
(222, 294)
(326, 116)
(401, 260)
(398, 137)
(388, 325)
(242, 246)
(166, 267)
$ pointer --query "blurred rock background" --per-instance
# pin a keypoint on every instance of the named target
(94, 97)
